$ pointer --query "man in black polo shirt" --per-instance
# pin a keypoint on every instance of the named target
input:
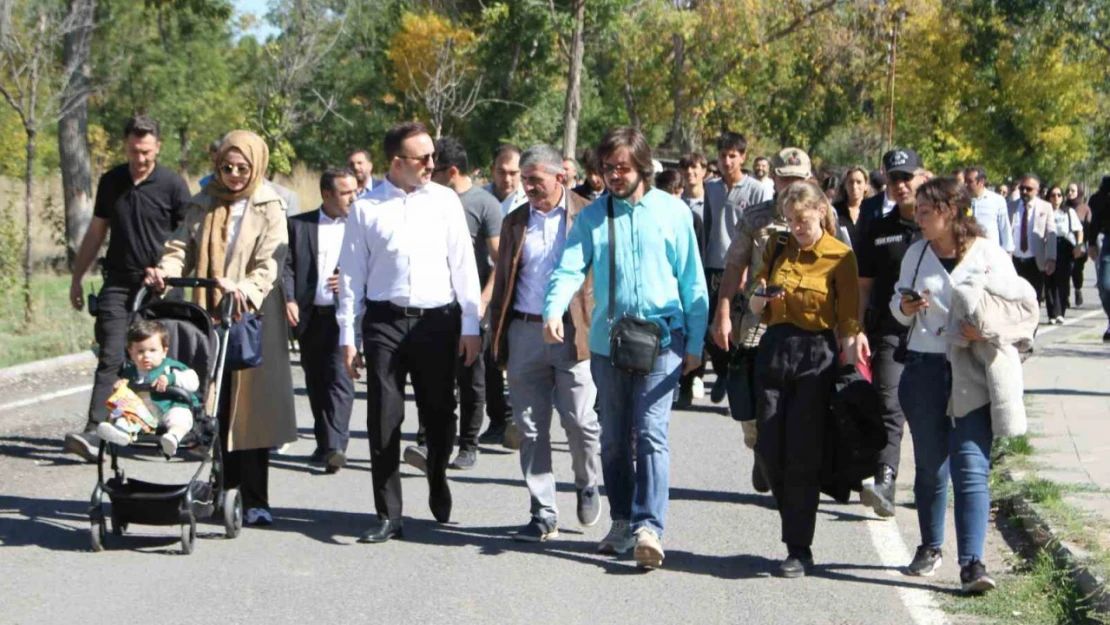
(882, 246)
(141, 203)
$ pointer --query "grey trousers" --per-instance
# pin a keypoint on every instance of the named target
(543, 376)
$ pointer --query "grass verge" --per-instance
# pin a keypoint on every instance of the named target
(56, 328)
(1035, 592)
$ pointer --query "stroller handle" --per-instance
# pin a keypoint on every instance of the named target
(144, 290)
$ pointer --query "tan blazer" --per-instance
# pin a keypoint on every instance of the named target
(262, 414)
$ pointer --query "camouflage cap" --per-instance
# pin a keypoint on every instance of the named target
(792, 163)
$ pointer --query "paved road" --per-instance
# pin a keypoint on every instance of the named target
(722, 543)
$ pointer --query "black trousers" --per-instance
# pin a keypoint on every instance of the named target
(472, 399)
(1078, 265)
(795, 371)
(719, 357)
(331, 392)
(246, 469)
(113, 310)
(886, 373)
(1057, 287)
(1027, 268)
(395, 346)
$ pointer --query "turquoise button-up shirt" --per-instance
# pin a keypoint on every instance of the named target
(659, 273)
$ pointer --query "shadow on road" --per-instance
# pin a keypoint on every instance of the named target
(1065, 392)
(37, 448)
(45, 523)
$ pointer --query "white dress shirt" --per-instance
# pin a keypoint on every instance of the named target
(411, 249)
(544, 241)
(329, 242)
(888, 205)
(514, 199)
(992, 213)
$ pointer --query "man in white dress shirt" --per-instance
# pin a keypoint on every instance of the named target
(1034, 234)
(408, 272)
(989, 209)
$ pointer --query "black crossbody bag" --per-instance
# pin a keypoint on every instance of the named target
(633, 342)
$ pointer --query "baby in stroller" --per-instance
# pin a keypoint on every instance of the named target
(149, 366)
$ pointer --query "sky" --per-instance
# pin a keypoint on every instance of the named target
(259, 9)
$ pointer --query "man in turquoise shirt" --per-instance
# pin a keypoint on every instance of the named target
(659, 278)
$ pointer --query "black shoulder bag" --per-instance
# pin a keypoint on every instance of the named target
(633, 342)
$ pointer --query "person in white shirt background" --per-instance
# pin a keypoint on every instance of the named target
(761, 171)
(360, 163)
(989, 209)
(505, 184)
(409, 274)
(1034, 233)
(1069, 236)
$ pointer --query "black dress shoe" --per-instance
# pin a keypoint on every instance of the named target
(759, 481)
(494, 434)
(440, 502)
(318, 456)
(797, 563)
(382, 531)
(335, 460)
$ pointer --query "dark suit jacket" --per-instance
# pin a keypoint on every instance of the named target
(299, 273)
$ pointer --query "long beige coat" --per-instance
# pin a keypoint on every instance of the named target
(262, 414)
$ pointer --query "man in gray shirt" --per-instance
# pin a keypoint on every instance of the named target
(483, 217)
(725, 201)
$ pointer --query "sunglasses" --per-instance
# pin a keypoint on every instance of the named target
(622, 170)
(426, 158)
(1055, 195)
(1026, 189)
(238, 170)
(899, 176)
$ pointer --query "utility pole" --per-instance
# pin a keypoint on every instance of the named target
(896, 20)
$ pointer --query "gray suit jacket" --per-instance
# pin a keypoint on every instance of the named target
(1042, 234)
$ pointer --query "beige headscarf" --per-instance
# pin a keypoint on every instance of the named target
(212, 252)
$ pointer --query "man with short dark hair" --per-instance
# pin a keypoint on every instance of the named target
(593, 184)
(989, 209)
(310, 278)
(141, 203)
(726, 199)
(881, 251)
(659, 279)
(1034, 234)
(360, 163)
(761, 171)
(570, 170)
(505, 179)
(483, 218)
(692, 168)
(409, 274)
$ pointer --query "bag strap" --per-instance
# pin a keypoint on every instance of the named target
(780, 246)
(612, 260)
(913, 285)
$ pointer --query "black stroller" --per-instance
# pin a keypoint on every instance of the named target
(202, 346)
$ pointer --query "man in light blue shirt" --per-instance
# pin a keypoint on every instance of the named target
(989, 208)
(659, 278)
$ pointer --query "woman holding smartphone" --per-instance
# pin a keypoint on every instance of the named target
(951, 251)
(808, 295)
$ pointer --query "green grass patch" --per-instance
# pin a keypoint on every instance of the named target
(1038, 592)
(56, 328)
(1011, 447)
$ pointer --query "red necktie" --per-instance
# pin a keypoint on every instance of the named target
(1025, 226)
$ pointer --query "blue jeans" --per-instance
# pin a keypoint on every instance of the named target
(943, 445)
(1102, 272)
(641, 406)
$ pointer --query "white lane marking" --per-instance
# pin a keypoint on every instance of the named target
(1069, 322)
(892, 550)
(30, 401)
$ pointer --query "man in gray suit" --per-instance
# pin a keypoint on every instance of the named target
(1034, 234)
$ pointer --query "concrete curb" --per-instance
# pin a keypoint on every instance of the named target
(1073, 557)
(80, 358)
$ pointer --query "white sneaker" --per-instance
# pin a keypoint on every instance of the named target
(169, 444)
(697, 388)
(112, 434)
(1060, 321)
(649, 549)
(258, 516)
(619, 539)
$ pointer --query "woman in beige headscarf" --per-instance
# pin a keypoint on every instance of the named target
(235, 233)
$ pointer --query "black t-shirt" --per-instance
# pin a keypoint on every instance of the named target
(881, 248)
(949, 264)
(141, 217)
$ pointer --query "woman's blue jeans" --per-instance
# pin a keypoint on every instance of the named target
(945, 447)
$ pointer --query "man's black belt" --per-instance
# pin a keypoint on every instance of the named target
(408, 311)
(530, 318)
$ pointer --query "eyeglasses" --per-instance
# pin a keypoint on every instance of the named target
(1055, 194)
(427, 158)
(622, 170)
(1026, 189)
(238, 170)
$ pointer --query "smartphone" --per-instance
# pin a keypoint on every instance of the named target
(770, 291)
(910, 293)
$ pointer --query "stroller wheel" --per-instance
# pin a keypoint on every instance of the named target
(232, 506)
(97, 533)
(188, 536)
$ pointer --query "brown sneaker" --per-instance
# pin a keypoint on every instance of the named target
(649, 550)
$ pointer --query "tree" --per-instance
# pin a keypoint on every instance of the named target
(73, 143)
(39, 94)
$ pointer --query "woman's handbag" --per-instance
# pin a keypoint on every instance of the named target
(244, 343)
(633, 342)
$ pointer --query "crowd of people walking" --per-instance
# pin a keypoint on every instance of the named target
(907, 297)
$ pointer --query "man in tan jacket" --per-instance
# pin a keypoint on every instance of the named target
(532, 241)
